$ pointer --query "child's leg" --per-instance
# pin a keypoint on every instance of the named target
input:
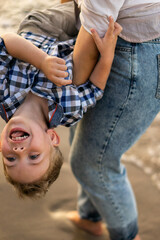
(64, 1)
(85, 51)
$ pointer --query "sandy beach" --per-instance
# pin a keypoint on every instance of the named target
(45, 219)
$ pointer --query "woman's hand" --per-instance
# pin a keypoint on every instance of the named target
(107, 44)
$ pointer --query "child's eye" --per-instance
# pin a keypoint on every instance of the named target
(32, 157)
(11, 159)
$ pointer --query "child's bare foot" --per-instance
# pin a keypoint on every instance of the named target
(94, 228)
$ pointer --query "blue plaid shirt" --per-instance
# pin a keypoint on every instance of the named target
(66, 104)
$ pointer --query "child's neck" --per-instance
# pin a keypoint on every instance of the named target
(34, 107)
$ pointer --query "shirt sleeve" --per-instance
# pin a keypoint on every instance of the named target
(5, 62)
(76, 100)
(94, 14)
(5, 57)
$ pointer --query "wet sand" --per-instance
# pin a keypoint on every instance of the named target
(45, 218)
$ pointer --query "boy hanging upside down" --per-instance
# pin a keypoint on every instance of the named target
(36, 95)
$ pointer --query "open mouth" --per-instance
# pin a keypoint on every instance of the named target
(18, 135)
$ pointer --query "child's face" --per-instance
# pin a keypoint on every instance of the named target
(26, 148)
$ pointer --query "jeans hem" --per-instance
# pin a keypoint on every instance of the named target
(127, 233)
(98, 219)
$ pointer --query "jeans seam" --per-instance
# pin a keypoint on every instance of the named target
(158, 78)
(130, 95)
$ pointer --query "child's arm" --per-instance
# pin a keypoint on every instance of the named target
(53, 67)
(106, 47)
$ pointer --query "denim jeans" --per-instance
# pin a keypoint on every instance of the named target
(130, 103)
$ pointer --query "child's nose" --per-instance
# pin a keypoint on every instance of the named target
(17, 149)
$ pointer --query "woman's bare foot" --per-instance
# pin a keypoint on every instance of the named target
(94, 228)
(137, 238)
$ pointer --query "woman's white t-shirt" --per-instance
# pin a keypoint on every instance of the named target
(140, 19)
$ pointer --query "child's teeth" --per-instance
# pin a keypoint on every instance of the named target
(19, 138)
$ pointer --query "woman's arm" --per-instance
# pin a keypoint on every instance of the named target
(106, 47)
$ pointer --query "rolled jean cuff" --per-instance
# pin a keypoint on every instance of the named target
(127, 233)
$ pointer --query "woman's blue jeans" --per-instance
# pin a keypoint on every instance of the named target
(130, 103)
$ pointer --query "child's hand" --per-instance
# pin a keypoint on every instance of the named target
(107, 44)
(55, 70)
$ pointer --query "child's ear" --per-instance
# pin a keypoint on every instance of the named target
(54, 137)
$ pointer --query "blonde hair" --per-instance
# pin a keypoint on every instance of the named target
(39, 188)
